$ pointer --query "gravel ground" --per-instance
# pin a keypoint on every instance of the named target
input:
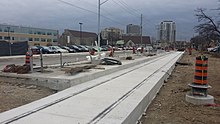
(170, 107)
(15, 95)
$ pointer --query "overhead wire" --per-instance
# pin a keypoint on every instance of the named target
(126, 9)
(91, 12)
(131, 9)
(103, 9)
(120, 3)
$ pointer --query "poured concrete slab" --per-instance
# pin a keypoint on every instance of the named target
(119, 97)
(56, 79)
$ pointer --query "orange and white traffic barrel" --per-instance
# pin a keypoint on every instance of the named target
(91, 52)
(27, 58)
(201, 66)
(198, 94)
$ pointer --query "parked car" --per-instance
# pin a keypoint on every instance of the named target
(35, 50)
(214, 49)
(106, 47)
(148, 48)
(83, 48)
(58, 49)
(67, 48)
(76, 48)
(95, 48)
(46, 50)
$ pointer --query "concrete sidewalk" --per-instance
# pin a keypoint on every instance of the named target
(120, 97)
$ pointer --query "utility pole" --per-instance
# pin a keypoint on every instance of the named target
(80, 26)
(141, 30)
(99, 23)
(99, 7)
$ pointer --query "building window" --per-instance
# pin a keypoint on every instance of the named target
(30, 32)
(55, 34)
(23, 39)
(49, 40)
(36, 39)
(30, 39)
(55, 40)
(43, 39)
(0, 30)
(49, 33)
(43, 33)
(6, 30)
(7, 38)
(13, 38)
(16, 38)
(0, 37)
(38, 32)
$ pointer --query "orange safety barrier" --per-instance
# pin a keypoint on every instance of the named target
(91, 52)
(190, 51)
(27, 58)
(134, 50)
(201, 66)
(111, 53)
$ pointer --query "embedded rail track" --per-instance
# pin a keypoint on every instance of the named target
(119, 97)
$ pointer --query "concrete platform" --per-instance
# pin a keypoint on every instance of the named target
(119, 97)
(200, 100)
(56, 79)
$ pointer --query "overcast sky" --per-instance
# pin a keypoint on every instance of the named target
(55, 14)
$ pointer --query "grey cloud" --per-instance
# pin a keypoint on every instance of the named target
(57, 15)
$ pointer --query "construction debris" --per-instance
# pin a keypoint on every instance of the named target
(110, 61)
(181, 63)
(77, 69)
(129, 58)
(12, 68)
(150, 54)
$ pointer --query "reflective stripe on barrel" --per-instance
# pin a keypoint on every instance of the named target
(201, 66)
(27, 58)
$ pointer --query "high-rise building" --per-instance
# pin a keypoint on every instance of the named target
(112, 34)
(133, 30)
(111, 31)
(167, 31)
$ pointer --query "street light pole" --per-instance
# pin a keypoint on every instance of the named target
(99, 23)
(9, 40)
(99, 7)
(80, 32)
(141, 30)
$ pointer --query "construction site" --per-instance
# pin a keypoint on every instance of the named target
(126, 88)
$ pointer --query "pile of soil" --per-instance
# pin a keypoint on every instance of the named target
(170, 106)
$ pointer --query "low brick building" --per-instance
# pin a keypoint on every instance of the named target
(137, 39)
(77, 37)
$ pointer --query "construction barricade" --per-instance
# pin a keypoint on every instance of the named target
(199, 85)
(201, 66)
(199, 88)
(27, 58)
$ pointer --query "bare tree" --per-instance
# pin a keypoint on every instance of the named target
(209, 24)
(209, 27)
